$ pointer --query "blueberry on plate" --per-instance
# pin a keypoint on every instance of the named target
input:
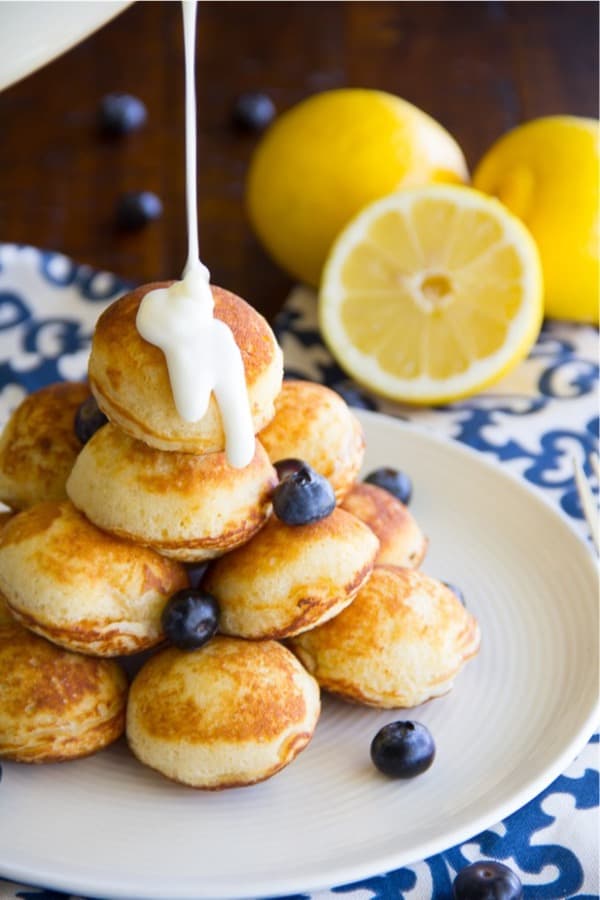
(253, 111)
(287, 467)
(402, 749)
(120, 114)
(88, 419)
(392, 480)
(487, 880)
(456, 590)
(303, 497)
(136, 208)
(190, 618)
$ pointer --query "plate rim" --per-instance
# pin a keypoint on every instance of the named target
(384, 862)
(107, 10)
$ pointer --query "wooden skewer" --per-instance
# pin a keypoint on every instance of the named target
(588, 502)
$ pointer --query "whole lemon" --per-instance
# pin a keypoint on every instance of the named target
(330, 155)
(546, 172)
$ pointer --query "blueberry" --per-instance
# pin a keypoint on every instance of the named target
(121, 113)
(352, 395)
(392, 480)
(190, 618)
(303, 497)
(88, 419)
(137, 208)
(456, 590)
(487, 881)
(287, 467)
(196, 572)
(253, 111)
(402, 749)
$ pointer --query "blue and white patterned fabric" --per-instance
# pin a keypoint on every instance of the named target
(533, 422)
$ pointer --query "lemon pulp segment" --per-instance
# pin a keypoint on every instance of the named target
(431, 293)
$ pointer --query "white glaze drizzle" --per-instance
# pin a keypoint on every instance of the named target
(200, 350)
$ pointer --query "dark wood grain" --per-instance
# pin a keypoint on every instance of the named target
(480, 68)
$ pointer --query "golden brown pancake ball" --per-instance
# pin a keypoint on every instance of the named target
(401, 541)
(55, 704)
(80, 587)
(315, 424)
(403, 640)
(188, 507)
(39, 446)
(227, 715)
(129, 378)
(290, 578)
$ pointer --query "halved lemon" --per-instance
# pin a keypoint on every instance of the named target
(431, 294)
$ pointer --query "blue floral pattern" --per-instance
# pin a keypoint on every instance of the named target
(534, 421)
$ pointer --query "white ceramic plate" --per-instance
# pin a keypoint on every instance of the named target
(33, 33)
(517, 716)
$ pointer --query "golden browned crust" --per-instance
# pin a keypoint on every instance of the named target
(314, 423)
(94, 636)
(402, 641)
(230, 714)
(289, 578)
(39, 446)
(250, 710)
(183, 505)
(129, 377)
(54, 704)
(401, 541)
(81, 587)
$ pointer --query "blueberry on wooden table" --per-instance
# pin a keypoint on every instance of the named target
(136, 208)
(253, 111)
(190, 618)
(121, 113)
(303, 497)
(487, 880)
(402, 749)
(88, 419)
(392, 480)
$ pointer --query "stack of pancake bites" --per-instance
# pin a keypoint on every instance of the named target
(122, 518)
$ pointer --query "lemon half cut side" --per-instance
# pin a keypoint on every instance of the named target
(431, 294)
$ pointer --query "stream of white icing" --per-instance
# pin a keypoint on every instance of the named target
(200, 350)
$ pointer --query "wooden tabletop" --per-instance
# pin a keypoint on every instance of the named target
(479, 68)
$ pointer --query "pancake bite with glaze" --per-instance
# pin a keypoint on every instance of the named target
(402, 641)
(290, 578)
(130, 381)
(401, 541)
(39, 446)
(80, 587)
(55, 704)
(314, 424)
(227, 715)
(187, 507)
